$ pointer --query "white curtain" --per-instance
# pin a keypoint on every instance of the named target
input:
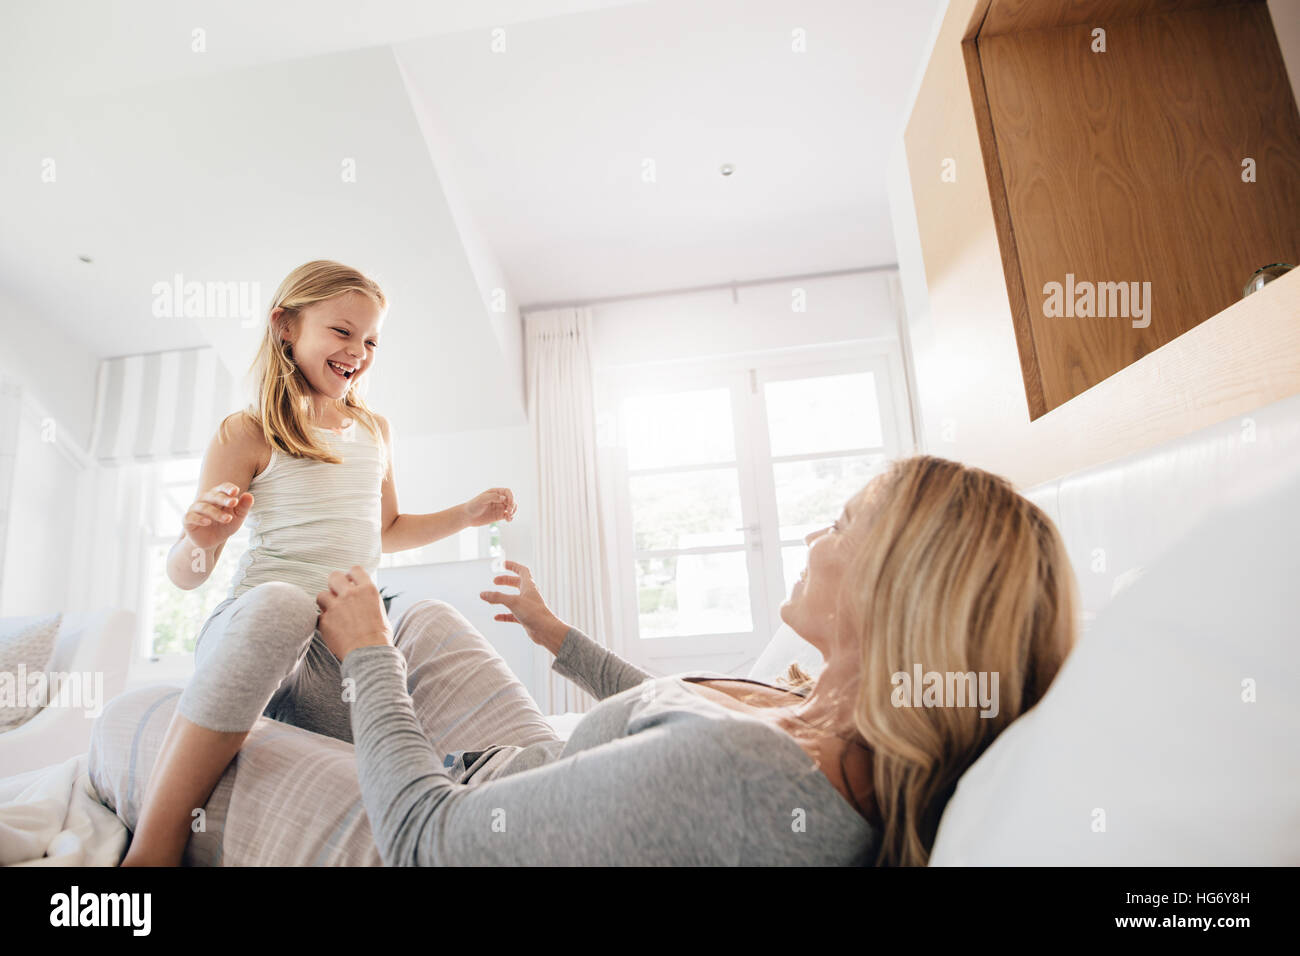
(96, 545)
(570, 556)
(107, 563)
(11, 404)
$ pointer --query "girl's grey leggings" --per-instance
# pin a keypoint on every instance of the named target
(260, 654)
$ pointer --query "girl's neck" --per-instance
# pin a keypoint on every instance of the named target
(328, 413)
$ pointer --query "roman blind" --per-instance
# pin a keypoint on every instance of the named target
(158, 406)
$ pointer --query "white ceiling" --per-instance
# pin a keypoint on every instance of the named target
(225, 165)
(548, 149)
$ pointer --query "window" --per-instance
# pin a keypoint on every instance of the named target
(719, 471)
(684, 487)
(174, 616)
(825, 441)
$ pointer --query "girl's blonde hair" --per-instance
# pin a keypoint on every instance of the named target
(283, 402)
(959, 573)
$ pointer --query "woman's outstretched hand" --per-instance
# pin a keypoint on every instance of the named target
(352, 613)
(527, 607)
(495, 504)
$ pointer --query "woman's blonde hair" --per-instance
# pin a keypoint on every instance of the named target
(958, 573)
(283, 402)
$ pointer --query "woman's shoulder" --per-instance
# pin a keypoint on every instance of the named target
(749, 739)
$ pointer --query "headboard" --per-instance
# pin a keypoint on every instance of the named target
(1169, 736)
(1119, 517)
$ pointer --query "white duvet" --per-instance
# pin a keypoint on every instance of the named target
(53, 817)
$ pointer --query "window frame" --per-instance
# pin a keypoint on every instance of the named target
(145, 664)
(747, 374)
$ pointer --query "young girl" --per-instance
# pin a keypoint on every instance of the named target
(311, 469)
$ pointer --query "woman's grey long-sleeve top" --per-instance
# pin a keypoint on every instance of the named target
(654, 774)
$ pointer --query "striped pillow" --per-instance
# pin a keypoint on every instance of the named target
(26, 646)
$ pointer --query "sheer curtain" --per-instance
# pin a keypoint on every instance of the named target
(571, 562)
(89, 548)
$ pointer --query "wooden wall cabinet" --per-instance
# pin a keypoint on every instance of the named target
(1149, 143)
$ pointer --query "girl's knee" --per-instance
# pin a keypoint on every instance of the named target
(271, 615)
(277, 598)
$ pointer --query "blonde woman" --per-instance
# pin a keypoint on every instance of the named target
(932, 564)
(310, 467)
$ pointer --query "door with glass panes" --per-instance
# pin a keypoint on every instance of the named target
(722, 472)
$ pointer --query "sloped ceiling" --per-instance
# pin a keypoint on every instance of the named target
(226, 165)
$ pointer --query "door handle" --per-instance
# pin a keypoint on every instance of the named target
(756, 541)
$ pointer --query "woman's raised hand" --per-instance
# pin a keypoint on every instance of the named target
(527, 607)
(216, 515)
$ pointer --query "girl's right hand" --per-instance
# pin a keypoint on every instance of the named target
(216, 515)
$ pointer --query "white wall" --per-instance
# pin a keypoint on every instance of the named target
(38, 536)
(55, 376)
(502, 310)
(55, 369)
(434, 472)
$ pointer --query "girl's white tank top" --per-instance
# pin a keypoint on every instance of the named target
(310, 518)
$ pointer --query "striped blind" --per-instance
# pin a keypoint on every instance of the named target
(160, 405)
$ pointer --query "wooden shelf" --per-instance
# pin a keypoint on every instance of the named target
(1120, 171)
(972, 394)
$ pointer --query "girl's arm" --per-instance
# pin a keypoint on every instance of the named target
(401, 532)
(220, 507)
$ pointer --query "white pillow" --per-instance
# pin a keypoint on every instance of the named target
(26, 646)
(784, 648)
(1145, 729)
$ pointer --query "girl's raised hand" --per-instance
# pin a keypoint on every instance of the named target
(495, 504)
(216, 515)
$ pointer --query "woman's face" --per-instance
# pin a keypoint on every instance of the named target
(335, 342)
(810, 609)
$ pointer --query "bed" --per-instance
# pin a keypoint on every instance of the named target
(1167, 739)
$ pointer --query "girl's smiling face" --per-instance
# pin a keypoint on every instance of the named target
(334, 341)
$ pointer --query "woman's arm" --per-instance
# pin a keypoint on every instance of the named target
(661, 796)
(596, 669)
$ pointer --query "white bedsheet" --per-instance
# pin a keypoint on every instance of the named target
(52, 817)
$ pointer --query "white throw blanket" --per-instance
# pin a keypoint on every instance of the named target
(53, 817)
